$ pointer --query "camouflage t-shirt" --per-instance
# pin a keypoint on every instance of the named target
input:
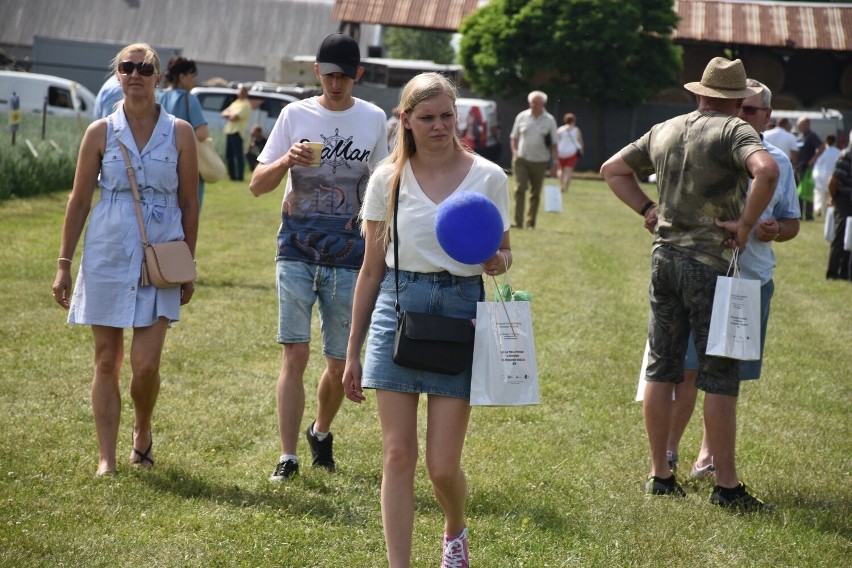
(700, 162)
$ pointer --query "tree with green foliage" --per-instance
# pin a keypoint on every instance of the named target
(409, 43)
(609, 52)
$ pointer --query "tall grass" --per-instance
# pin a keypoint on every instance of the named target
(555, 485)
(45, 164)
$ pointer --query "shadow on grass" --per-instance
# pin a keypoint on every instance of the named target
(217, 283)
(830, 517)
(314, 492)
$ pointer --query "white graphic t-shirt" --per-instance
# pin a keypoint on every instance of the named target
(319, 214)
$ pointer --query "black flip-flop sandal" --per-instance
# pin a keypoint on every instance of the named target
(145, 456)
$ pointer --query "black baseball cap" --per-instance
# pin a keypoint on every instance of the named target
(339, 53)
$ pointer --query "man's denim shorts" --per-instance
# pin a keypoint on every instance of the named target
(749, 370)
(300, 285)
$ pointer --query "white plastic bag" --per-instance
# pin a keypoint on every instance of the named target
(640, 388)
(847, 236)
(504, 364)
(735, 320)
(828, 230)
(552, 199)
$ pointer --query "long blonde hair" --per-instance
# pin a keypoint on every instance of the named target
(420, 88)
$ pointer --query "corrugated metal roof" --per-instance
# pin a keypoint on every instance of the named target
(232, 32)
(780, 24)
(825, 26)
(434, 14)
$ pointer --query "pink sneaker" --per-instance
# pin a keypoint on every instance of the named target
(706, 472)
(455, 552)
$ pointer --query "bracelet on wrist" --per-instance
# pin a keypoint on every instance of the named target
(646, 207)
(63, 259)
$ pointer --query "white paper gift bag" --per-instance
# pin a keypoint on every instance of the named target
(552, 199)
(735, 320)
(847, 236)
(504, 364)
(829, 228)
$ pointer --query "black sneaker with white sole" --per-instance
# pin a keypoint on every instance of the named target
(738, 499)
(663, 486)
(321, 450)
(285, 469)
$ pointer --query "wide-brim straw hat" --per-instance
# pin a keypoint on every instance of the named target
(723, 79)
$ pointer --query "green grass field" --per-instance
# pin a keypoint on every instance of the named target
(559, 484)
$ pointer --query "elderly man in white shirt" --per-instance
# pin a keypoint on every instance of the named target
(534, 155)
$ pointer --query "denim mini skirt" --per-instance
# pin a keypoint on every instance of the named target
(438, 293)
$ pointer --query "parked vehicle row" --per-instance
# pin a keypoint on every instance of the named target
(39, 93)
(267, 100)
(477, 118)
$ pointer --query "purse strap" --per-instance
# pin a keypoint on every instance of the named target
(132, 175)
(396, 245)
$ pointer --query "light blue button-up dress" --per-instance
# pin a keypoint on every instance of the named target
(107, 290)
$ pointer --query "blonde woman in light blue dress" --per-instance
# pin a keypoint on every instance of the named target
(108, 295)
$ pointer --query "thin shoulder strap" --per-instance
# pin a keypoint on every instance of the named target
(396, 244)
(132, 175)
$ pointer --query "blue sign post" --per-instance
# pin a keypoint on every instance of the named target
(14, 115)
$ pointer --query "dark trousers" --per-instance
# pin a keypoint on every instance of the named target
(234, 157)
(839, 260)
(807, 209)
(805, 206)
(528, 175)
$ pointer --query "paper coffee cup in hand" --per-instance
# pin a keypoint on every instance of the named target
(316, 148)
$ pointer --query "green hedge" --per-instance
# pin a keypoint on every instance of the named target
(46, 167)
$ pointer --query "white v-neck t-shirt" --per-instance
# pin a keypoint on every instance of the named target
(419, 249)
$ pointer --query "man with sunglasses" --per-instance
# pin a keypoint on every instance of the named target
(703, 160)
(779, 222)
(320, 246)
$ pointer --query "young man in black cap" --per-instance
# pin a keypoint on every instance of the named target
(320, 247)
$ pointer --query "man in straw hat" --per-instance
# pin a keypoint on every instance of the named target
(703, 161)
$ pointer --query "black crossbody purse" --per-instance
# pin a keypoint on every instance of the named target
(441, 344)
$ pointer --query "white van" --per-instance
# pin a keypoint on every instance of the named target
(64, 97)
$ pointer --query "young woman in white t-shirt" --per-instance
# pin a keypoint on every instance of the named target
(428, 164)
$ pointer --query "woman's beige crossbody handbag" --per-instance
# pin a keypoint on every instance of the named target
(164, 265)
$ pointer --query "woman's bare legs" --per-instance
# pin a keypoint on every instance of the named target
(146, 350)
(565, 178)
(106, 396)
(398, 415)
(446, 428)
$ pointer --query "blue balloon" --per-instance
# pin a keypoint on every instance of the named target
(469, 227)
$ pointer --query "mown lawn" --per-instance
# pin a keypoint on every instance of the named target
(559, 484)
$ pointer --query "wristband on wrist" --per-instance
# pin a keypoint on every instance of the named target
(646, 207)
(62, 258)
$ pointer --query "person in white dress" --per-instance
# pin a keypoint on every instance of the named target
(823, 168)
